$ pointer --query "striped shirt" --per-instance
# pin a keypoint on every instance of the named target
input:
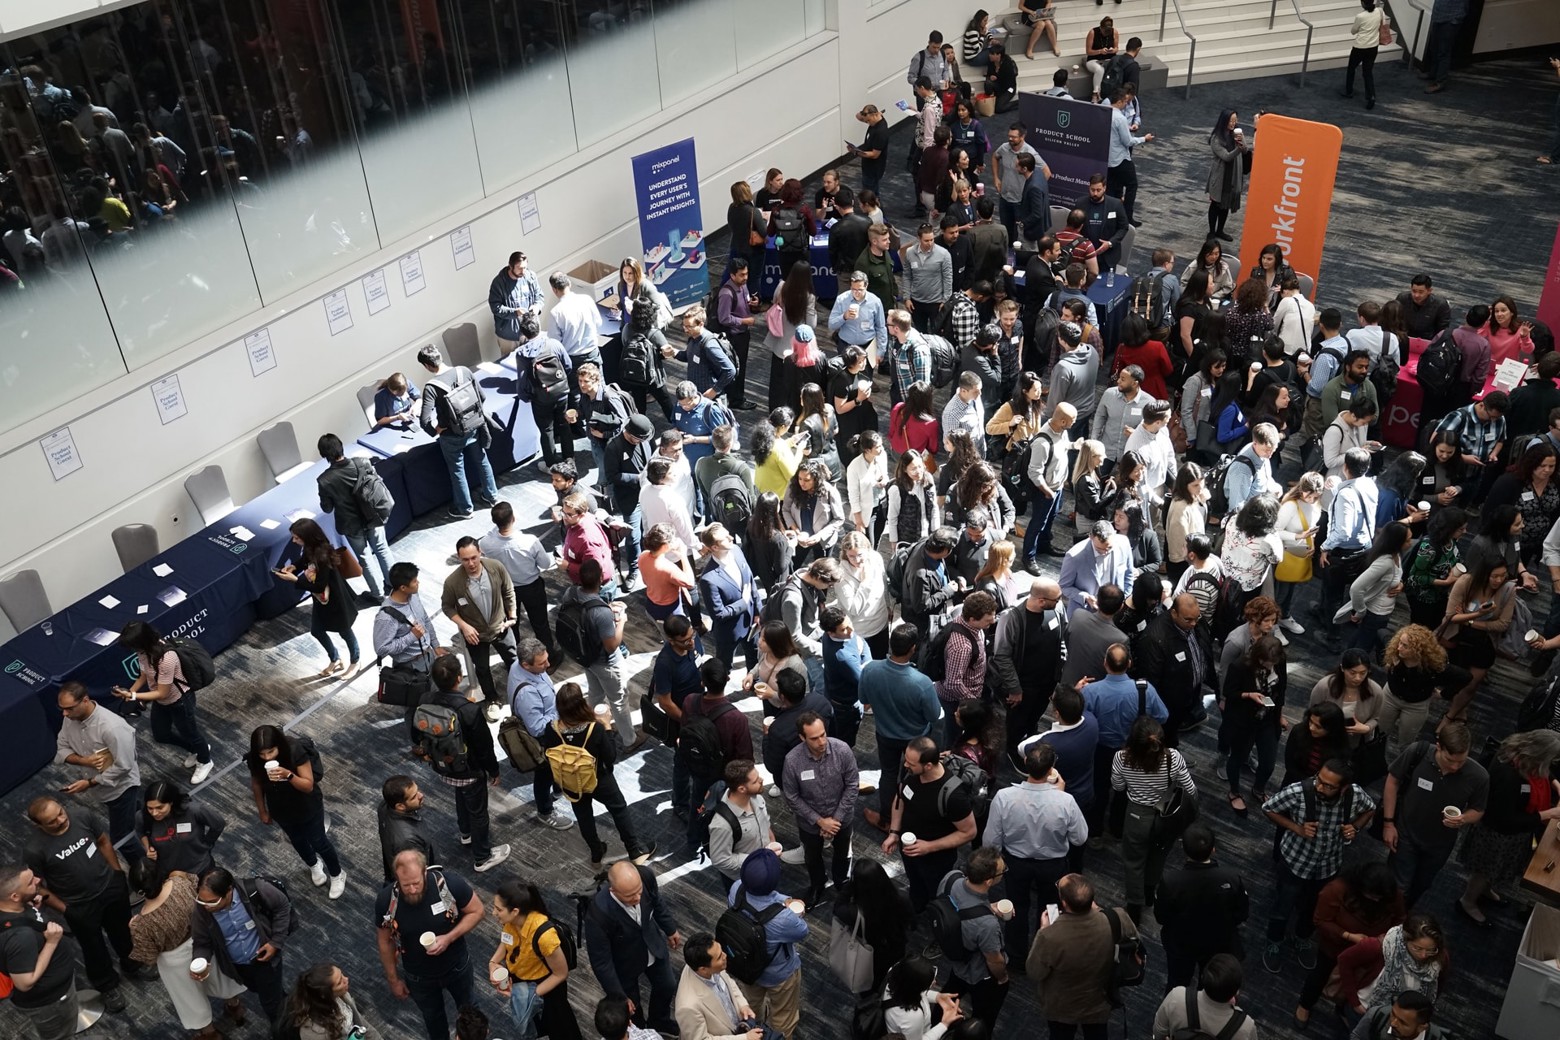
(1147, 788)
(965, 668)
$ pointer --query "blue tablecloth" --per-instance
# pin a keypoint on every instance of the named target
(825, 285)
(1110, 306)
(266, 519)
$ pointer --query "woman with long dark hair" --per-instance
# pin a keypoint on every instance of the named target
(1225, 430)
(870, 896)
(979, 488)
(817, 420)
(748, 229)
(530, 953)
(1196, 302)
(322, 1007)
(1446, 474)
(776, 450)
(1361, 903)
(1227, 177)
(1144, 770)
(1373, 595)
(913, 510)
(812, 510)
(769, 551)
(1210, 261)
(580, 726)
(1318, 738)
(1478, 612)
(335, 607)
(1357, 695)
(796, 306)
(1271, 269)
(910, 999)
(162, 683)
(1532, 488)
(1187, 516)
(1253, 698)
(1431, 567)
(866, 483)
(1251, 548)
(1138, 347)
(1509, 336)
(914, 424)
(1499, 536)
(176, 832)
(1397, 491)
(1197, 393)
(287, 791)
(1019, 419)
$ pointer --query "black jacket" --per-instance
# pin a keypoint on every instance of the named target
(1201, 908)
(925, 592)
(267, 904)
(337, 499)
(1156, 661)
(619, 949)
(625, 466)
(399, 831)
(848, 240)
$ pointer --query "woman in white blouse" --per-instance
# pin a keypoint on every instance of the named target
(1367, 42)
(908, 1000)
(862, 592)
(1373, 595)
(1298, 512)
(866, 480)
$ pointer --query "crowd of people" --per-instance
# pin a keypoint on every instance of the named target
(1027, 549)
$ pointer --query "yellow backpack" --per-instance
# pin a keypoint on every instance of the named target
(573, 768)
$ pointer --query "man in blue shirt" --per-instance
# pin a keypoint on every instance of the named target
(395, 400)
(780, 985)
(710, 368)
(534, 702)
(845, 654)
(1121, 177)
(1326, 362)
(1116, 701)
(904, 706)
(1351, 526)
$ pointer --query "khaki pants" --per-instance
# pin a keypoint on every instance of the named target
(784, 1002)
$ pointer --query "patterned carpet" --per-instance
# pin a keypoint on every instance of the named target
(1405, 202)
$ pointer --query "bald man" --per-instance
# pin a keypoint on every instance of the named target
(629, 933)
(1027, 660)
(1175, 652)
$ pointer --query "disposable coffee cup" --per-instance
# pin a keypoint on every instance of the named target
(272, 765)
(602, 711)
(500, 976)
(1004, 909)
(426, 938)
(797, 906)
(1451, 812)
(1531, 636)
(907, 839)
(198, 966)
(1424, 507)
(776, 847)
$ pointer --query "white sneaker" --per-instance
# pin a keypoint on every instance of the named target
(202, 771)
(1278, 633)
(794, 856)
(338, 884)
(317, 873)
(497, 856)
(191, 761)
(556, 820)
(1289, 624)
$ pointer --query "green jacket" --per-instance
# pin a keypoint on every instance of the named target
(880, 277)
(1333, 400)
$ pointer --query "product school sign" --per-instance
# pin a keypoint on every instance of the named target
(1073, 137)
(1289, 195)
(666, 188)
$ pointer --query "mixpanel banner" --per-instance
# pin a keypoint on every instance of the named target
(1549, 299)
(1073, 137)
(1289, 193)
(666, 187)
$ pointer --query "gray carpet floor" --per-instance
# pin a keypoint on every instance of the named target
(1443, 184)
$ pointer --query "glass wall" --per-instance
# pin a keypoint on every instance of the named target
(169, 167)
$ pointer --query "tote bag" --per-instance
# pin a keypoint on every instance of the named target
(850, 958)
(1294, 569)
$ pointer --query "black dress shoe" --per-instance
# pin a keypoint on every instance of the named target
(1346, 94)
(1223, 236)
(1462, 911)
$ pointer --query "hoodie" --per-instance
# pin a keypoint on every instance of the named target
(1073, 380)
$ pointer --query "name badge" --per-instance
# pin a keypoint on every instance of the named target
(1142, 625)
(1425, 784)
(91, 849)
(1052, 623)
(1181, 657)
(908, 794)
(249, 926)
(1528, 496)
(1525, 789)
(807, 774)
(436, 908)
(866, 325)
(463, 601)
(183, 828)
(1207, 391)
(507, 938)
(1344, 395)
(1516, 545)
(1428, 481)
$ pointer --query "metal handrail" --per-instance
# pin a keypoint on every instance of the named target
(1191, 56)
(1309, 31)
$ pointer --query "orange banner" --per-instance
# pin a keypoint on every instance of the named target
(1289, 193)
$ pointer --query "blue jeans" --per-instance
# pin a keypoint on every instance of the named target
(460, 451)
(373, 538)
(318, 630)
(1042, 515)
(176, 724)
(524, 1007)
(428, 995)
(1367, 634)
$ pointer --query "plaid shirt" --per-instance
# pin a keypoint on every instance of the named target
(1475, 437)
(965, 665)
(912, 361)
(1321, 857)
(965, 319)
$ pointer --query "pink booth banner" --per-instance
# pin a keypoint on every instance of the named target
(1400, 426)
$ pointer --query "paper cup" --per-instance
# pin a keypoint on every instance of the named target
(907, 839)
(198, 966)
(272, 766)
(1531, 636)
(797, 906)
(602, 711)
(426, 938)
(1424, 507)
(1004, 909)
(1451, 812)
(500, 976)
(776, 847)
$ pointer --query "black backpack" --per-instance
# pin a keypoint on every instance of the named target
(1115, 69)
(699, 742)
(1537, 709)
(637, 364)
(253, 891)
(1193, 1029)
(1218, 495)
(1147, 300)
(1015, 473)
(895, 571)
(1042, 339)
(1440, 364)
(934, 659)
(549, 377)
(788, 226)
(459, 406)
(566, 942)
(1060, 264)
(740, 932)
(372, 497)
(194, 662)
(1384, 375)
(1128, 959)
(714, 805)
(948, 920)
(571, 625)
(945, 360)
(731, 501)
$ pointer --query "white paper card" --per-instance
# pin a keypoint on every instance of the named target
(412, 281)
(169, 396)
(1425, 784)
(299, 514)
(338, 312)
(530, 213)
(262, 356)
(269, 524)
(1509, 374)
(142, 609)
(102, 637)
(465, 252)
(162, 570)
(59, 448)
(375, 291)
(109, 601)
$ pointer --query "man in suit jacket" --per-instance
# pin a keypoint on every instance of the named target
(1175, 653)
(479, 596)
(630, 932)
(1034, 206)
(710, 1006)
(726, 587)
(1103, 558)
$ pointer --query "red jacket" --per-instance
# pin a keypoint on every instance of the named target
(1333, 917)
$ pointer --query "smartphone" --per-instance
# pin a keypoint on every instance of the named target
(1052, 913)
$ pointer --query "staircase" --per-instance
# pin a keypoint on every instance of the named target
(1233, 39)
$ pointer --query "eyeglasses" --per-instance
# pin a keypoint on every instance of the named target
(1424, 951)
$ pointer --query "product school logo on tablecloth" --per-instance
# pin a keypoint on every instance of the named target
(22, 672)
(1064, 119)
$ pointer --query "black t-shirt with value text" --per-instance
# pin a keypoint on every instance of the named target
(70, 864)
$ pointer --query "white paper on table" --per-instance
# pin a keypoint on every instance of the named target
(1509, 374)
(299, 514)
(109, 601)
(269, 524)
(243, 534)
(172, 595)
(103, 637)
(141, 609)
(162, 570)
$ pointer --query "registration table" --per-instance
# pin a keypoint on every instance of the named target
(1110, 306)
(825, 285)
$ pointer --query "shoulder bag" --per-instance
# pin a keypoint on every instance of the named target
(1292, 568)
(347, 563)
(1174, 811)
(401, 685)
(850, 958)
(1384, 34)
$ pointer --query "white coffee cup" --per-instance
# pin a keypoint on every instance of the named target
(907, 839)
(1451, 812)
(1531, 636)
(776, 847)
(427, 939)
(199, 965)
(603, 711)
(1004, 909)
(272, 765)
(796, 906)
(1424, 507)
(500, 976)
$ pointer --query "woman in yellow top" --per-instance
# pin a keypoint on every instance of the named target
(528, 967)
(776, 452)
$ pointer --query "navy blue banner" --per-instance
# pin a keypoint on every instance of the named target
(1073, 137)
(666, 189)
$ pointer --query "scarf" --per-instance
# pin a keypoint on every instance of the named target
(1398, 967)
(1540, 794)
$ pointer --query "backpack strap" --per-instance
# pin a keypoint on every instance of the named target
(1308, 794)
(1115, 927)
(1232, 1027)
(536, 944)
(1193, 1018)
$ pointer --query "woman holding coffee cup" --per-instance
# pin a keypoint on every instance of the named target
(160, 935)
(528, 967)
(286, 790)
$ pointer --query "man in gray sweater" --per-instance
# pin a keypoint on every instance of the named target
(928, 278)
(1073, 378)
